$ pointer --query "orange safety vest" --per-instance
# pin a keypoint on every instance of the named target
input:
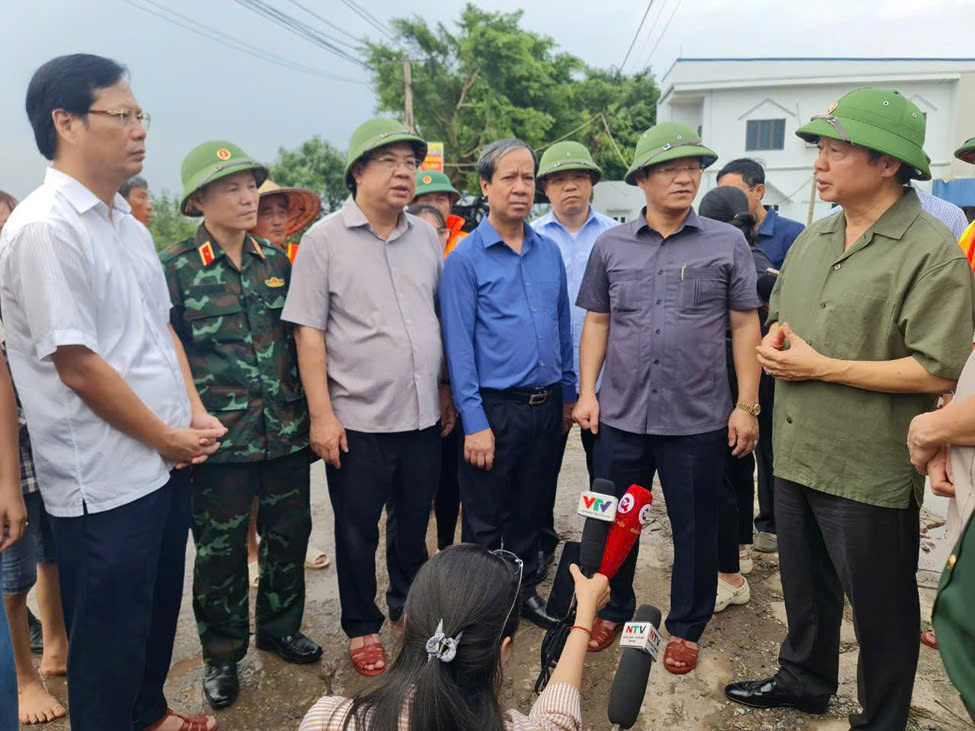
(967, 243)
(292, 251)
(454, 223)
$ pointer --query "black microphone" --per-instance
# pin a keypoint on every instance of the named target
(630, 684)
(595, 531)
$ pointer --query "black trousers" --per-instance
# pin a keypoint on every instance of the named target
(765, 520)
(400, 470)
(737, 503)
(447, 503)
(549, 537)
(121, 576)
(691, 469)
(503, 505)
(829, 546)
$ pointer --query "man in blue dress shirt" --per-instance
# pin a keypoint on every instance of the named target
(508, 338)
(566, 175)
(776, 233)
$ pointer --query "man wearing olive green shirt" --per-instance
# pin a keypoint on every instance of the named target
(863, 341)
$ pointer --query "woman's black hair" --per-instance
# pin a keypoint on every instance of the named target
(418, 209)
(472, 591)
(68, 83)
(730, 205)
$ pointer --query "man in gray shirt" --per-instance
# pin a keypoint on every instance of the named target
(363, 295)
(661, 292)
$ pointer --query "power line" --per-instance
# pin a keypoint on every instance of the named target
(228, 41)
(299, 28)
(662, 34)
(636, 35)
(369, 18)
(326, 21)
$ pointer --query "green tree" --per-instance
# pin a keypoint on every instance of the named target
(490, 78)
(169, 225)
(316, 165)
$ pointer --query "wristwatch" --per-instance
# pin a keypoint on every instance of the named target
(753, 409)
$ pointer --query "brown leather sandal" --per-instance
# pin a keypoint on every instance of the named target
(200, 722)
(928, 638)
(678, 651)
(603, 634)
(370, 653)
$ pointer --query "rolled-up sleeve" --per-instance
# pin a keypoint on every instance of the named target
(54, 286)
(458, 312)
(307, 302)
(743, 287)
(937, 318)
(558, 708)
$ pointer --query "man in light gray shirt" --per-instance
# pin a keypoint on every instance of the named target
(363, 295)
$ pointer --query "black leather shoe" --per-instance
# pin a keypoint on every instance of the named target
(767, 694)
(543, 566)
(533, 609)
(296, 648)
(220, 685)
(36, 634)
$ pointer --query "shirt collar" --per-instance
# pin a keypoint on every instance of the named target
(768, 224)
(75, 192)
(640, 222)
(202, 237)
(892, 224)
(550, 218)
(490, 236)
(353, 217)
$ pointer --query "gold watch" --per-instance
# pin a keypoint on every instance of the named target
(753, 409)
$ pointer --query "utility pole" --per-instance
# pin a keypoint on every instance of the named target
(812, 201)
(408, 93)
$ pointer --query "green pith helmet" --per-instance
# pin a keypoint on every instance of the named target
(378, 133)
(966, 153)
(433, 181)
(879, 119)
(212, 161)
(568, 155)
(668, 141)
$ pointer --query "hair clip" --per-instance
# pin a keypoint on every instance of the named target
(442, 647)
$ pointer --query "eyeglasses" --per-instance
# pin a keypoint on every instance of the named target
(672, 172)
(516, 566)
(390, 162)
(125, 117)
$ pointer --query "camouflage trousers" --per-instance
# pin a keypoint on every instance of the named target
(222, 498)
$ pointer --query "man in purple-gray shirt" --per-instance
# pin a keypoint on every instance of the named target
(661, 292)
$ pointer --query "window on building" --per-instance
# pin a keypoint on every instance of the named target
(765, 134)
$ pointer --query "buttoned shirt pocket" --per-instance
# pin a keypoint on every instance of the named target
(702, 287)
(224, 398)
(627, 294)
(215, 318)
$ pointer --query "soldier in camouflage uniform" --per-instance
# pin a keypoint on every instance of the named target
(228, 288)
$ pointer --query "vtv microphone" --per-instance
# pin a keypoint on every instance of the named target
(640, 642)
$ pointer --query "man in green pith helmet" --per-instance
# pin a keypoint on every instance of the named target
(435, 189)
(566, 176)
(363, 299)
(661, 292)
(228, 289)
(877, 324)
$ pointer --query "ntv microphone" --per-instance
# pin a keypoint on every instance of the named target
(641, 645)
(632, 514)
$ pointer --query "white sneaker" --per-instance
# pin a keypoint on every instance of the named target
(727, 594)
(745, 563)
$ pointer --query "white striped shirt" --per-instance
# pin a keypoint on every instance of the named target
(558, 708)
(948, 213)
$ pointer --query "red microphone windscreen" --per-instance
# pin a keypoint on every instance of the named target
(631, 515)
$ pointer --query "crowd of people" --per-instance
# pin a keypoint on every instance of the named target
(430, 368)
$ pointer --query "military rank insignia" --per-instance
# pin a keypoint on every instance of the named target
(206, 254)
(274, 282)
(257, 248)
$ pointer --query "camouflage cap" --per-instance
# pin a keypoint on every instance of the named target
(211, 161)
(668, 141)
(879, 119)
(966, 153)
(568, 155)
(434, 181)
(378, 133)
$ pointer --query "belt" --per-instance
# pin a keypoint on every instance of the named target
(530, 396)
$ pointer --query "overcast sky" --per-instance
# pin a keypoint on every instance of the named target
(197, 89)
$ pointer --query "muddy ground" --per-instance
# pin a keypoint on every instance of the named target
(740, 643)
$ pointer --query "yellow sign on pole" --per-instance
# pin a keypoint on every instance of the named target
(434, 158)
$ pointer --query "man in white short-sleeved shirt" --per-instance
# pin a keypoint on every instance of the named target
(106, 388)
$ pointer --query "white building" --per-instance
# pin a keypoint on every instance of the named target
(751, 107)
